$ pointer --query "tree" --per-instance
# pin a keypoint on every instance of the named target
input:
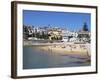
(85, 27)
(25, 32)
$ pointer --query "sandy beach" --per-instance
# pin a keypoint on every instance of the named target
(81, 50)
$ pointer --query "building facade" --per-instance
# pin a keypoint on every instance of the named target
(37, 33)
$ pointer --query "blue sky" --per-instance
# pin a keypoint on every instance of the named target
(66, 20)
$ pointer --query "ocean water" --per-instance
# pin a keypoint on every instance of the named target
(33, 58)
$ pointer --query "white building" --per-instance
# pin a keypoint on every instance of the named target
(69, 36)
(76, 37)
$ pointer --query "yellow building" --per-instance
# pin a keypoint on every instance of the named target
(54, 34)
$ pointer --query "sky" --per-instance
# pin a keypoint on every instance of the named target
(66, 20)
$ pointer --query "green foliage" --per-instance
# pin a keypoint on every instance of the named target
(85, 27)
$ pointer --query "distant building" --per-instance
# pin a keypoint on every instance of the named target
(27, 31)
(55, 33)
(84, 34)
(68, 36)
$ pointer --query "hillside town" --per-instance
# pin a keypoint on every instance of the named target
(51, 34)
(58, 41)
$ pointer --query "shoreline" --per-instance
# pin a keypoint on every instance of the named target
(62, 48)
(65, 51)
(82, 50)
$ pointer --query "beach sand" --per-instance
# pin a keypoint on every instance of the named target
(72, 50)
